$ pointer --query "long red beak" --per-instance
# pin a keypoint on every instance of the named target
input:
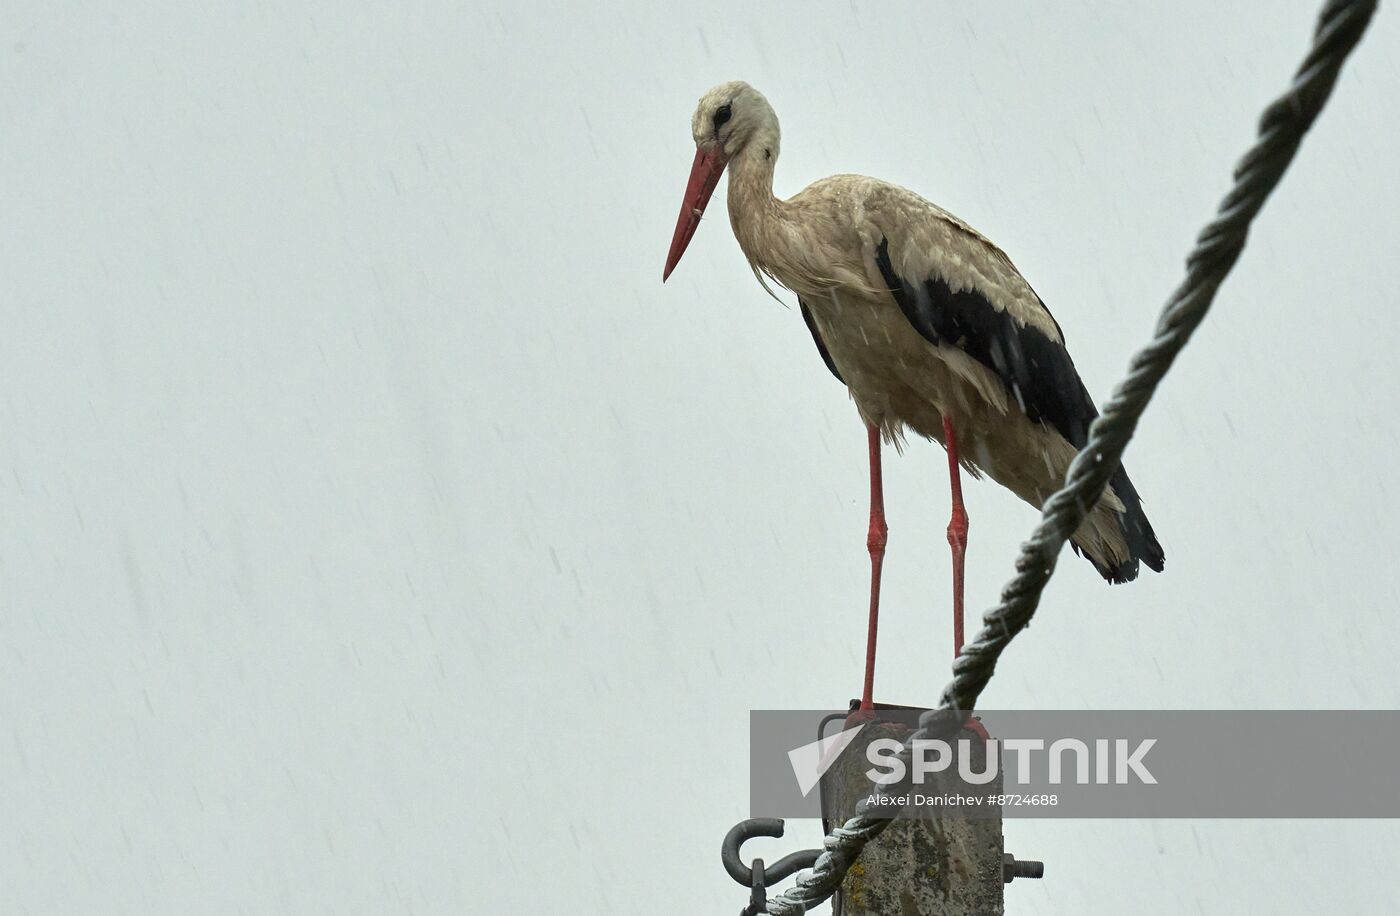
(704, 176)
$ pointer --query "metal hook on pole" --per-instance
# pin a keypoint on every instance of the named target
(758, 877)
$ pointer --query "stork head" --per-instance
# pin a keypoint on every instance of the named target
(732, 119)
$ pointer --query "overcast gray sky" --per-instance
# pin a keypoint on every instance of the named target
(379, 535)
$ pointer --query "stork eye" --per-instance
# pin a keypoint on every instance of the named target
(722, 115)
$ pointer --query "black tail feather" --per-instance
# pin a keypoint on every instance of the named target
(1137, 531)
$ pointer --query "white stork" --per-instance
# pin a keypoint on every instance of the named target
(927, 323)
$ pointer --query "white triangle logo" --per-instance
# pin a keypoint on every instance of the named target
(810, 761)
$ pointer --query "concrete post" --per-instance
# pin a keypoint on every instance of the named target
(919, 866)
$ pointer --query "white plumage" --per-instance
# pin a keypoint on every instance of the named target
(922, 317)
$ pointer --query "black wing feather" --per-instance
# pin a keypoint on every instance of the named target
(1036, 370)
(817, 339)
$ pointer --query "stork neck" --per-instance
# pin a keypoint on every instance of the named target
(752, 206)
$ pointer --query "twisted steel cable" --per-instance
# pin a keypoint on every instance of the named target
(1281, 130)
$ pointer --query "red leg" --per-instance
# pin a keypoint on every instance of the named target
(875, 541)
(957, 532)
